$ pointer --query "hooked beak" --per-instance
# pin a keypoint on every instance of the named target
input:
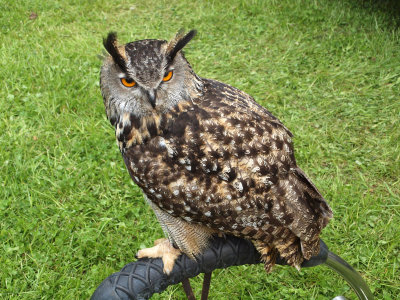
(152, 95)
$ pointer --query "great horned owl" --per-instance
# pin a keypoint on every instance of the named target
(208, 158)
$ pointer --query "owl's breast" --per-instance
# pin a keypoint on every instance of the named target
(206, 165)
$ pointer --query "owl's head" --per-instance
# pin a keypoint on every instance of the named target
(147, 76)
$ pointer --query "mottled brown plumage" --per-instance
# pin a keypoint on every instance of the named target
(209, 159)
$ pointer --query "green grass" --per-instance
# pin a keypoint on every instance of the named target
(69, 213)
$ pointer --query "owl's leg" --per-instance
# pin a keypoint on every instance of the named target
(191, 239)
(163, 249)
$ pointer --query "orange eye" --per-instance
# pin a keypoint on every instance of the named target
(128, 82)
(167, 76)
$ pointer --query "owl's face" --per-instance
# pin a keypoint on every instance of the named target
(146, 77)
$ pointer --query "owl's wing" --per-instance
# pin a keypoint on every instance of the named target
(227, 163)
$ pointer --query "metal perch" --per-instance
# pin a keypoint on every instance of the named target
(141, 279)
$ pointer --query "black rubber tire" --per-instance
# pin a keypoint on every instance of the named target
(141, 279)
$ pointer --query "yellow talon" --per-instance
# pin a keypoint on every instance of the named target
(163, 249)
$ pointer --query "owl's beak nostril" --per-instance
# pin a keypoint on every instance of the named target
(152, 95)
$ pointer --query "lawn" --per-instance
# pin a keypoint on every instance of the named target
(69, 213)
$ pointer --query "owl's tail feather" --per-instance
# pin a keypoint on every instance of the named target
(288, 249)
(268, 256)
(310, 248)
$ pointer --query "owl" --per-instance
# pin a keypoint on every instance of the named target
(209, 159)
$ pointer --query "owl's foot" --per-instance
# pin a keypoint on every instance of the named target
(162, 248)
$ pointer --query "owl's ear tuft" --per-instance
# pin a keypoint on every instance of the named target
(178, 42)
(111, 45)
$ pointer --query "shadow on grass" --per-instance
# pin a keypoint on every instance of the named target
(391, 8)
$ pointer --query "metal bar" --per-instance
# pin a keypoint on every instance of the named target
(206, 286)
(355, 280)
(188, 289)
